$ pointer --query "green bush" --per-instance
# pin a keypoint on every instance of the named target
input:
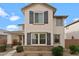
(61, 47)
(57, 51)
(73, 49)
(2, 48)
(77, 49)
(19, 48)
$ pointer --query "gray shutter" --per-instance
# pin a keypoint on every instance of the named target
(46, 17)
(28, 38)
(31, 17)
(48, 38)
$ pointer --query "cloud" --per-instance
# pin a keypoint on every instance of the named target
(12, 27)
(14, 18)
(3, 13)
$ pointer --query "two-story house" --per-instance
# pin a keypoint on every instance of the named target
(41, 26)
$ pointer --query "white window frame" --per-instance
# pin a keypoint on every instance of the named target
(34, 17)
(39, 38)
(59, 38)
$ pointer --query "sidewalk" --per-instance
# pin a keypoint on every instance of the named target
(10, 53)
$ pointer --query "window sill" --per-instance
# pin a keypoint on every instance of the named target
(59, 26)
(57, 43)
(38, 24)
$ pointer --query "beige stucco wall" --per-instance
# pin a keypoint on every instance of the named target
(50, 27)
(59, 30)
(12, 37)
(72, 30)
(15, 37)
(9, 38)
(39, 28)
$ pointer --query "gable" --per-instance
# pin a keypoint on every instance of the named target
(42, 4)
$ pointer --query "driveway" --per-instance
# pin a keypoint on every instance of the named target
(10, 53)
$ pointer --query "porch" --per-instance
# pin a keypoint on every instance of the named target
(17, 36)
(35, 39)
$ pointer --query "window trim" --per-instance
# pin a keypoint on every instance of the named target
(59, 38)
(34, 17)
(39, 38)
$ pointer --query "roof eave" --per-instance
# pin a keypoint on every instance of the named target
(61, 17)
(72, 23)
(42, 3)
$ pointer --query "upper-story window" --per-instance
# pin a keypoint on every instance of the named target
(59, 22)
(38, 17)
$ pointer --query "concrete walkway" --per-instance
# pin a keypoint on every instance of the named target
(10, 53)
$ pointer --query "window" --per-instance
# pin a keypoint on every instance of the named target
(42, 38)
(56, 38)
(34, 38)
(59, 22)
(39, 18)
(36, 17)
(38, 38)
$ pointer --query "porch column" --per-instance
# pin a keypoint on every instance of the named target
(52, 39)
(9, 39)
(22, 40)
(25, 38)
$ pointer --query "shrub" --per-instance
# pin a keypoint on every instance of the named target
(73, 49)
(77, 49)
(61, 47)
(2, 48)
(19, 48)
(57, 51)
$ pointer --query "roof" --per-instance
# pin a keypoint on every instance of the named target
(63, 16)
(20, 24)
(40, 3)
(72, 23)
(2, 30)
(16, 32)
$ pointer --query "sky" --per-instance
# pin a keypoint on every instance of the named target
(11, 14)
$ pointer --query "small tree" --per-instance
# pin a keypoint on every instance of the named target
(2, 47)
(19, 48)
(73, 49)
(57, 51)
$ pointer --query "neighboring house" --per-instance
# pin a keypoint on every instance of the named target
(7, 37)
(72, 30)
(4, 36)
(41, 26)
